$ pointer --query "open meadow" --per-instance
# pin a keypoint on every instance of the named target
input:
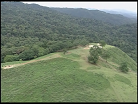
(69, 77)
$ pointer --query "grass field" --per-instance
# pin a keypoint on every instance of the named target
(69, 78)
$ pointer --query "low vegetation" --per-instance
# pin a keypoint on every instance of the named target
(123, 67)
(68, 78)
(45, 56)
(45, 31)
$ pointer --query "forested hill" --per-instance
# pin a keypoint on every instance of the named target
(29, 31)
(115, 19)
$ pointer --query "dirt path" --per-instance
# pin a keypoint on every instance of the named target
(32, 61)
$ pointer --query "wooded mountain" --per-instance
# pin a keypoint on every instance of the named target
(122, 12)
(115, 19)
(38, 30)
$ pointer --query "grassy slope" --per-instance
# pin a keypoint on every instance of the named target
(69, 78)
(118, 56)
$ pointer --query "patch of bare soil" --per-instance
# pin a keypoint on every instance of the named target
(8, 66)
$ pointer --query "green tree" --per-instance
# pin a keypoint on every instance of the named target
(95, 52)
(93, 59)
(123, 67)
(46, 51)
(27, 54)
(102, 43)
(35, 48)
(8, 58)
(106, 55)
(64, 50)
(41, 51)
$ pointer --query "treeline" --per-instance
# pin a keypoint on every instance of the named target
(35, 29)
(30, 48)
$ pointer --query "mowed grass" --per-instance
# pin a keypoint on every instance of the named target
(69, 78)
(55, 80)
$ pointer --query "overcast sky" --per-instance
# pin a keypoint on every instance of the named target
(129, 6)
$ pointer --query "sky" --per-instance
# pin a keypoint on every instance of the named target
(129, 6)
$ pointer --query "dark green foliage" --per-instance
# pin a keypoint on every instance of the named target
(93, 59)
(95, 52)
(64, 51)
(102, 43)
(123, 67)
(115, 19)
(27, 54)
(8, 58)
(54, 31)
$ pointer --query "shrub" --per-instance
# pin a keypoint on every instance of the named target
(27, 54)
(123, 67)
(95, 52)
(8, 58)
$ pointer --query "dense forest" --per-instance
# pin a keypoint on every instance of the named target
(114, 19)
(29, 31)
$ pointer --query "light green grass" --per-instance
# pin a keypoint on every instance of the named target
(57, 80)
(19, 62)
(118, 56)
(12, 63)
(122, 79)
(71, 56)
(69, 78)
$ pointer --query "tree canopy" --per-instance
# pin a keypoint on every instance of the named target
(95, 52)
(53, 31)
(123, 67)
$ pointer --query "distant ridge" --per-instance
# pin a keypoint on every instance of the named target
(116, 19)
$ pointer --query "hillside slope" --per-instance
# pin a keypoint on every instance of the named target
(116, 19)
(70, 78)
(31, 26)
(123, 12)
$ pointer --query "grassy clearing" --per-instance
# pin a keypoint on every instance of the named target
(122, 79)
(57, 79)
(63, 80)
(125, 88)
(12, 63)
(71, 56)
(118, 56)
(19, 63)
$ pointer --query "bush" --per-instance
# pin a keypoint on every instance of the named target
(123, 67)
(95, 52)
(106, 55)
(20, 60)
(93, 59)
(15, 57)
(8, 58)
(27, 54)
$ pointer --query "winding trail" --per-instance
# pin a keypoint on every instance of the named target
(32, 61)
